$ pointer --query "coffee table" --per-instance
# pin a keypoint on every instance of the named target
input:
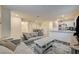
(42, 45)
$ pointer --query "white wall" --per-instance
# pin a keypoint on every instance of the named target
(24, 27)
(6, 22)
(15, 26)
(33, 25)
(29, 26)
(0, 30)
(50, 25)
(0, 21)
(55, 25)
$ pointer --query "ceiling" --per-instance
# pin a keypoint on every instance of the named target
(45, 12)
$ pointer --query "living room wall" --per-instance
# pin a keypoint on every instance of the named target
(15, 26)
(24, 27)
(0, 30)
(5, 24)
(28, 26)
(0, 21)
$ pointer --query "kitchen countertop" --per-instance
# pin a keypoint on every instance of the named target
(63, 31)
(65, 36)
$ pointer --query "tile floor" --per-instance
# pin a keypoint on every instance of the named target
(58, 48)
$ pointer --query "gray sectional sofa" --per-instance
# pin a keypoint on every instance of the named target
(30, 37)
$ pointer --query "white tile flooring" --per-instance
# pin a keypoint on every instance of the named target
(58, 50)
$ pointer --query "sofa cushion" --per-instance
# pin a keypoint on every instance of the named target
(34, 34)
(26, 36)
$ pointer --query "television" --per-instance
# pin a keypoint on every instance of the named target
(77, 29)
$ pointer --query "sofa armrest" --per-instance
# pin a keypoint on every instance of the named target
(8, 44)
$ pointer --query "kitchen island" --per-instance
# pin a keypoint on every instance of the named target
(65, 36)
